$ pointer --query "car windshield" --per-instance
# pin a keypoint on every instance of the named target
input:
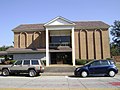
(89, 63)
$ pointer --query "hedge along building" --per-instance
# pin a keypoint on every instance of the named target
(61, 41)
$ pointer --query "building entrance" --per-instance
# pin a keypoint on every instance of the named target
(61, 58)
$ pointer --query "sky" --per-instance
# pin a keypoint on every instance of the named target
(16, 12)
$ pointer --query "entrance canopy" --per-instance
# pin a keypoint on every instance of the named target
(56, 30)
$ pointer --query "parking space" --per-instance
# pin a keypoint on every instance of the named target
(60, 82)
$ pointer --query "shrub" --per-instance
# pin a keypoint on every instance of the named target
(109, 58)
(12, 61)
(89, 60)
(80, 62)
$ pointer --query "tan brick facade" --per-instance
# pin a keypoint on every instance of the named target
(29, 39)
(92, 44)
(89, 44)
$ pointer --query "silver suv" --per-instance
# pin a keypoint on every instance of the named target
(31, 66)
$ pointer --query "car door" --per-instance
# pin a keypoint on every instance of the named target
(17, 66)
(26, 65)
(95, 67)
(104, 66)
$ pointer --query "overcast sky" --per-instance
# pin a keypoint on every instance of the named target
(16, 12)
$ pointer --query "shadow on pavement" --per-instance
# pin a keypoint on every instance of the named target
(19, 75)
(73, 76)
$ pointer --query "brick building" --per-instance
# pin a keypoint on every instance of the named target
(61, 41)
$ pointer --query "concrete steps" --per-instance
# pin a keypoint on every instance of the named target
(59, 70)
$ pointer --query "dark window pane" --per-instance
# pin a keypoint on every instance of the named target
(18, 62)
(59, 39)
(104, 62)
(26, 62)
(35, 62)
(95, 63)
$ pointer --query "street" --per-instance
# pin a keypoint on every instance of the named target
(59, 82)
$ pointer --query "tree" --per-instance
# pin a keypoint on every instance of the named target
(115, 32)
(114, 50)
(3, 48)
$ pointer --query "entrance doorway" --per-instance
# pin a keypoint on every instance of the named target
(61, 58)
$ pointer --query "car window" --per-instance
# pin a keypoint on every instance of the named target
(26, 62)
(96, 63)
(34, 62)
(19, 62)
(112, 62)
(42, 63)
(104, 62)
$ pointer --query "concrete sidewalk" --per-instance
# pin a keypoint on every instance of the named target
(59, 89)
(59, 83)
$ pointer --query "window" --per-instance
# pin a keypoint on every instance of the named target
(60, 39)
(18, 62)
(104, 62)
(26, 62)
(35, 62)
(112, 62)
(96, 63)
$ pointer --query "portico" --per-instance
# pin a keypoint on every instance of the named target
(60, 29)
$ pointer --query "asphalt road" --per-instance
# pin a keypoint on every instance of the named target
(59, 82)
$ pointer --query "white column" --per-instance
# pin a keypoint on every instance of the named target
(47, 48)
(73, 47)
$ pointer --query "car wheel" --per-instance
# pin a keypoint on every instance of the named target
(84, 74)
(32, 73)
(111, 73)
(5, 72)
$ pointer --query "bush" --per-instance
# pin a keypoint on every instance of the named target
(12, 61)
(89, 60)
(82, 61)
(9, 62)
(109, 58)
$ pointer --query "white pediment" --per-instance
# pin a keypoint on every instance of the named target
(59, 21)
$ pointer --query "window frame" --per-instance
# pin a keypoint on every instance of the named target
(26, 64)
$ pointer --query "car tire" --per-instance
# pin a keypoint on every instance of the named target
(5, 72)
(84, 74)
(111, 73)
(32, 73)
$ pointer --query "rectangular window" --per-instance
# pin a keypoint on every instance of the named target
(104, 62)
(35, 62)
(26, 62)
(60, 39)
(19, 62)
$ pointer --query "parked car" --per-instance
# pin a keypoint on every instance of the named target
(31, 66)
(97, 67)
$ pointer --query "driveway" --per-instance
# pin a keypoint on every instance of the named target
(59, 82)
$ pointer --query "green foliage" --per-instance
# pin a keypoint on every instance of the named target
(12, 61)
(3, 48)
(115, 32)
(114, 50)
(109, 58)
(82, 61)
